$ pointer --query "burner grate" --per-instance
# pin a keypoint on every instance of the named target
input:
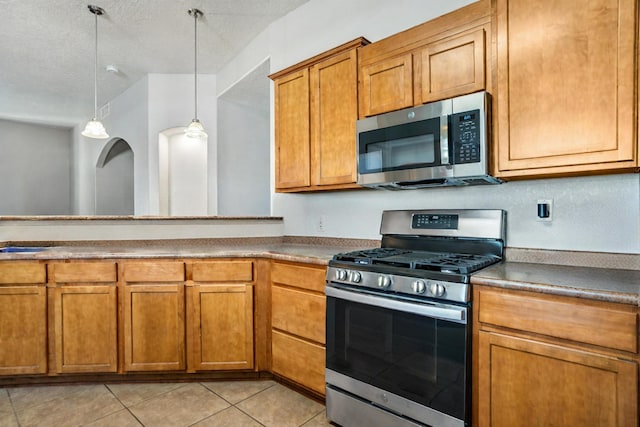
(457, 263)
(369, 256)
(419, 260)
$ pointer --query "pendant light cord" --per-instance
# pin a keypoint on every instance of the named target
(95, 75)
(195, 62)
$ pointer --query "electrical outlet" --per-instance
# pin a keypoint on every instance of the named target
(544, 211)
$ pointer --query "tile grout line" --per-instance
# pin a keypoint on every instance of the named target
(13, 408)
(125, 406)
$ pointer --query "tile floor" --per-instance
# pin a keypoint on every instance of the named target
(205, 404)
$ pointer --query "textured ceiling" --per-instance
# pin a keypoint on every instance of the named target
(47, 48)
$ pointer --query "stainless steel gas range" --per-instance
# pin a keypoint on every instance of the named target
(399, 319)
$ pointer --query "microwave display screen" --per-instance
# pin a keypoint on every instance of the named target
(408, 146)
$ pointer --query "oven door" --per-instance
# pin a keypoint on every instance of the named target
(410, 357)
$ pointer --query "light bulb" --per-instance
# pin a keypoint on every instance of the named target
(95, 129)
(195, 130)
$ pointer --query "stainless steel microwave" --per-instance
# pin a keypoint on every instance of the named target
(436, 144)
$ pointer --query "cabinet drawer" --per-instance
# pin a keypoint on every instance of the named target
(309, 278)
(581, 321)
(300, 313)
(15, 273)
(153, 271)
(84, 272)
(223, 271)
(298, 360)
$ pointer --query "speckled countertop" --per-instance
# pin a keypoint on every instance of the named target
(621, 285)
(605, 284)
(310, 251)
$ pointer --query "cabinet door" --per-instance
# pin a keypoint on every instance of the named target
(23, 330)
(528, 383)
(334, 107)
(23, 318)
(222, 327)
(84, 312)
(453, 66)
(387, 85)
(293, 156)
(566, 86)
(154, 332)
(85, 323)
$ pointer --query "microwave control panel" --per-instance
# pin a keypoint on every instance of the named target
(465, 136)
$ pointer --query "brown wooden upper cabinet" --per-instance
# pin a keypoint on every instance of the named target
(316, 107)
(439, 59)
(566, 83)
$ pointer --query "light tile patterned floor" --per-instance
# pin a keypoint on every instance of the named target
(207, 404)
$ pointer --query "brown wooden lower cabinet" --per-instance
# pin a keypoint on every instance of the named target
(298, 307)
(527, 383)
(537, 365)
(153, 298)
(23, 330)
(299, 360)
(83, 313)
(23, 318)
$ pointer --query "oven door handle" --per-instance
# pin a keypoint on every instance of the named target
(429, 309)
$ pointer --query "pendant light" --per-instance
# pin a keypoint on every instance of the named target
(195, 129)
(94, 128)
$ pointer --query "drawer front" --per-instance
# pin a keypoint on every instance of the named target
(15, 273)
(99, 272)
(298, 360)
(297, 312)
(164, 271)
(578, 321)
(299, 276)
(223, 271)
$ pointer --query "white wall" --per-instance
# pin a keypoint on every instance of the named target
(153, 104)
(171, 104)
(598, 213)
(35, 169)
(243, 153)
(127, 120)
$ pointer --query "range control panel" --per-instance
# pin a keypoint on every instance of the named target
(434, 221)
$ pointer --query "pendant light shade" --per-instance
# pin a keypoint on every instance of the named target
(195, 129)
(95, 128)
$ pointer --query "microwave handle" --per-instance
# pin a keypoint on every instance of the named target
(427, 309)
(445, 145)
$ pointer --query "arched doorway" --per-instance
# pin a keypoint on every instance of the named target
(114, 179)
(183, 188)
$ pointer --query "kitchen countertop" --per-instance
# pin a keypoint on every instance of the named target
(310, 253)
(604, 284)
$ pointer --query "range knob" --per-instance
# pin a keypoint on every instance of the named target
(384, 281)
(341, 274)
(437, 289)
(419, 286)
(355, 276)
